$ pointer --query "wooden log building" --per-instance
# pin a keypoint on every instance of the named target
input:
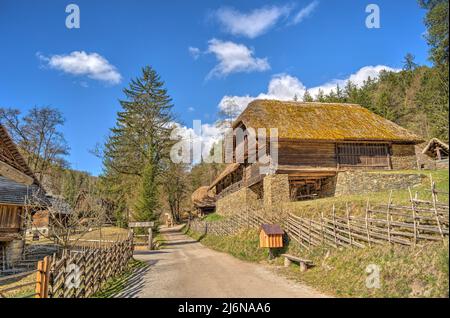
(316, 141)
(17, 184)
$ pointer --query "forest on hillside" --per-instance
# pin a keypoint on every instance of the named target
(140, 181)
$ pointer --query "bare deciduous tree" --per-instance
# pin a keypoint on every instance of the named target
(38, 136)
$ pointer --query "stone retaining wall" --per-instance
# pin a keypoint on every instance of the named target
(276, 189)
(13, 251)
(235, 202)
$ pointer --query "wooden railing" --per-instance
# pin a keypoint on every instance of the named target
(77, 273)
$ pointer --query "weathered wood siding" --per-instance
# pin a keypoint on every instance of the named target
(10, 218)
(306, 154)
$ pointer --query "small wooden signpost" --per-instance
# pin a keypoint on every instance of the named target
(149, 225)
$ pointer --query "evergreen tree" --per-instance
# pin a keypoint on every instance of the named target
(147, 203)
(320, 96)
(140, 140)
(307, 97)
(408, 62)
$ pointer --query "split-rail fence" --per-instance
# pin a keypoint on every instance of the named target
(420, 221)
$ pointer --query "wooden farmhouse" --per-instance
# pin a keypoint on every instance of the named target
(17, 184)
(316, 142)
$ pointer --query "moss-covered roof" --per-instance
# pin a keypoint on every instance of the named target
(202, 197)
(322, 121)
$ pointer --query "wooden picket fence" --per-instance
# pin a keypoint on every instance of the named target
(421, 221)
(82, 272)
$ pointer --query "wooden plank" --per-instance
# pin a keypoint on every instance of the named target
(141, 224)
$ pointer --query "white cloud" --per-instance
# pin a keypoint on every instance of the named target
(357, 78)
(286, 87)
(191, 109)
(80, 63)
(195, 52)
(305, 12)
(251, 24)
(205, 135)
(234, 58)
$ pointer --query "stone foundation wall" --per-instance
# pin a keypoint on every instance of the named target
(403, 157)
(235, 202)
(13, 251)
(328, 187)
(276, 189)
(358, 182)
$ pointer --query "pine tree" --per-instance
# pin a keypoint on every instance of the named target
(147, 202)
(408, 62)
(307, 97)
(320, 96)
(140, 140)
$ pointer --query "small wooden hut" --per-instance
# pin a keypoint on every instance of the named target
(436, 149)
(271, 236)
(203, 200)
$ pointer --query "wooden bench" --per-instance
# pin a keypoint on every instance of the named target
(304, 263)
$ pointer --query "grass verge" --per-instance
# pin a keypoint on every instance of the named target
(404, 271)
(117, 284)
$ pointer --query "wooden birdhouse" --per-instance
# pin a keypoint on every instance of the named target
(271, 236)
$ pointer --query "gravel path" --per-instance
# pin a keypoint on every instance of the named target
(186, 268)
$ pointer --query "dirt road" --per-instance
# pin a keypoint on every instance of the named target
(186, 268)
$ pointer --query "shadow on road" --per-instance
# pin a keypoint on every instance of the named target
(134, 283)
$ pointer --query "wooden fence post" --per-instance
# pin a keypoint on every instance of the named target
(150, 238)
(349, 229)
(367, 223)
(388, 217)
(42, 278)
(334, 225)
(436, 215)
(414, 215)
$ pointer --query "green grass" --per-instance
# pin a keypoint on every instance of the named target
(22, 292)
(117, 284)
(213, 217)
(404, 271)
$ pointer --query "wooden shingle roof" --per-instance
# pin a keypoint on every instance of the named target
(322, 121)
(15, 193)
(272, 229)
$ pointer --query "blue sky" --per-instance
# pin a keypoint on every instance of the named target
(203, 50)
